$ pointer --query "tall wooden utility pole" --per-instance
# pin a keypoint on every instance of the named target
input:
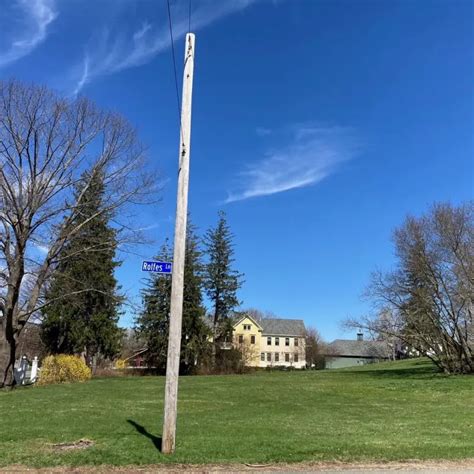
(176, 310)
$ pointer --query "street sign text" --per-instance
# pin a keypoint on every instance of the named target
(156, 267)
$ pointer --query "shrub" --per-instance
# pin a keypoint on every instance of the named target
(229, 361)
(120, 364)
(63, 368)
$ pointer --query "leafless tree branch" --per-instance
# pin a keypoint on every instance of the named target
(46, 144)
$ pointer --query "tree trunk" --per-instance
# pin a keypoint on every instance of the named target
(7, 360)
(215, 333)
(4, 353)
(214, 346)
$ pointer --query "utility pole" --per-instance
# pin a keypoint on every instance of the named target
(176, 310)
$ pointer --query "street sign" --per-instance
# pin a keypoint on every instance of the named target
(156, 267)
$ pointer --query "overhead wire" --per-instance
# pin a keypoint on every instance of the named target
(189, 16)
(178, 98)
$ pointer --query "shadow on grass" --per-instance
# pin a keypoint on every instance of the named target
(156, 440)
(417, 370)
(418, 373)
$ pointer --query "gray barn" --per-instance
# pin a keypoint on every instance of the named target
(349, 352)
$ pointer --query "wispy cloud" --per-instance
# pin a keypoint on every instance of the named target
(27, 29)
(310, 154)
(148, 227)
(111, 53)
(84, 76)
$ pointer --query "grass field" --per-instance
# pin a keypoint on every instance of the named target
(392, 411)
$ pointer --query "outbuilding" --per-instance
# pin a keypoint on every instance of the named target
(348, 352)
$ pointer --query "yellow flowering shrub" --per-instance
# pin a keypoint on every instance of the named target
(63, 368)
(120, 364)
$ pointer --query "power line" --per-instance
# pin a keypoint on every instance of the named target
(189, 16)
(178, 99)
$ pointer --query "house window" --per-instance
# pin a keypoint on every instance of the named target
(262, 356)
(269, 341)
(277, 357)
(277, 341)
(247, 327)
(296, 342)
(287, 341)
(269, 357)
(287, 357)
(252, 339)
(241, 339)
(295, 357)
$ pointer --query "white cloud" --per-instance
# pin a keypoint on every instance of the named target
(112, 53)
(29, 29)
(84, 77)
(311, 154)
(148, 227)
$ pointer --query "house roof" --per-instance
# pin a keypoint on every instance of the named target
(238, 320)
(283, 327)
(351, 348)
(271, 327)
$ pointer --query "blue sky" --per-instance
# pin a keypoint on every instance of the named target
(317, 125)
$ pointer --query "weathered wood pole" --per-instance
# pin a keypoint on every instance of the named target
(176, 310)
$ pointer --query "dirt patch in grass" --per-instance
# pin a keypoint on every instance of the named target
(81, 444)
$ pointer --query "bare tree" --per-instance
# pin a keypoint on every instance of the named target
(386, 325)
(315, 349)
(430, 295)
(131, 344)
(259, 315)
(248, 351)
(46, 143)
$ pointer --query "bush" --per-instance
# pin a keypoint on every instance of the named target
(229, 361)
(63, 368)
(120, 364)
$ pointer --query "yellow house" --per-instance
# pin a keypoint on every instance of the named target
(270, 342)
(247, 335)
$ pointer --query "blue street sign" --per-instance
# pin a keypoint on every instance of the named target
(156, 267)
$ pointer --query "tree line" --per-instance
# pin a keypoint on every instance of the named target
(208, 271)
(425, 305)
(70, 176)
(55, 154)
(88, 323)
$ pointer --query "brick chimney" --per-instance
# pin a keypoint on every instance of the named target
(360, 336)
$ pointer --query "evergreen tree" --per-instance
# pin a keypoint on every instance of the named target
(221, 281)
(87, 321)
(153, 323)
(194, 339)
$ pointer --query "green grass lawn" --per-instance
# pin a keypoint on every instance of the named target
(392, 411)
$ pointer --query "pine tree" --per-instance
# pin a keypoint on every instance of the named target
(87, 321)
(153, 323)
(194, 339)
(221, 281)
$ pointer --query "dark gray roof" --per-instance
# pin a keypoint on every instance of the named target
(282, 327)
(351, 348)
